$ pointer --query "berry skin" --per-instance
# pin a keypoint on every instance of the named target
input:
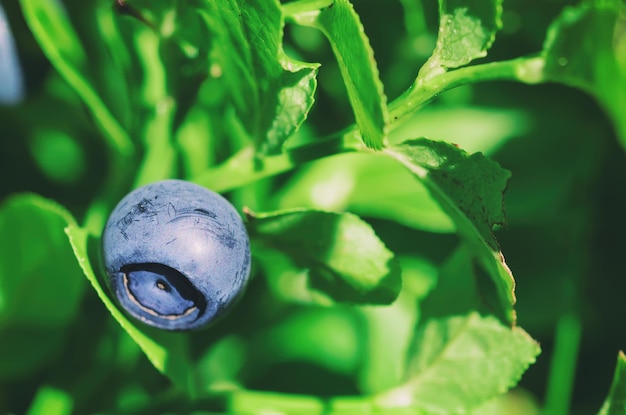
(177, 255)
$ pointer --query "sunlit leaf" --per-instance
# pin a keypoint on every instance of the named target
(345, 183)
(470, 189)
(458, 363)
(271, 92)
(467, 30)
(51, 401)
(342, 26)
(345, 258)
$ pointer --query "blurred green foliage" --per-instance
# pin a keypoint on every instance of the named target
(284, 107)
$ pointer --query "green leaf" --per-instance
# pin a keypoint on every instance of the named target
(460, 362)
(615, 403)
(586, 48)
(470, 189)
(516, 402)
(342, 26)
(51, 401)
(40, 282)
(467, 30)
(390, 329)
(168, 352)
(457, 290)
(345, 183)
(345, 258)
(58, 40)
(271, 92)
(302, 337)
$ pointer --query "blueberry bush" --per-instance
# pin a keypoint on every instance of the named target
(432, 191)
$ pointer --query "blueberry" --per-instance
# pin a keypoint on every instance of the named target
(177, 255)
(11, 82)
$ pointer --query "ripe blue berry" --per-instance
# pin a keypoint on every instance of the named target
(177, 255)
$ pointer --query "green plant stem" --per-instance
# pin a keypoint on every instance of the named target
(565, 354)
(244, 167)
(160, 158)
(563, 365)
(158, 109)
(425, 88)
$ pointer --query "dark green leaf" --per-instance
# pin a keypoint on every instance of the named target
(466, 31)
(458, 363)
(456, 291)
(52, 29)
(345, 258)
(615, 403)
(40, 282)
(342, 26)
(470, 189)
(586, 48)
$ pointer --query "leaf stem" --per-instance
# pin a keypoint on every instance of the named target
(563, 365)
(425, 88)
(244, 167)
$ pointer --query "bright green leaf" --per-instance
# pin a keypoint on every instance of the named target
(345, 183)
(470, 189)
(328, 337)
(467, 30)
(586, 48)
(615, 403)
(342, 26)
(460, 362)
(390, 329)
(271, 92)
(473, 128)
(52, 29)
(345, 258)
(516, 402)
(51, 401)
(295, 99)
